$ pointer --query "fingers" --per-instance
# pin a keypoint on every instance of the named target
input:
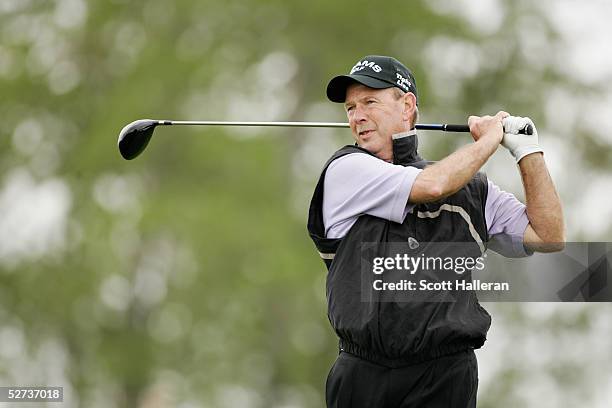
(487, 126)
(510, 124)
(476, 121)
(502, 114)
(474, 125)
(513, 124)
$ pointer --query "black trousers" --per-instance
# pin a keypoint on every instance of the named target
(446, 382)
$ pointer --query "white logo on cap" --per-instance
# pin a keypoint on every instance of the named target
(365, 64)
(403, 82)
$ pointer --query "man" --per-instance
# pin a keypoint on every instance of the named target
(416, 354)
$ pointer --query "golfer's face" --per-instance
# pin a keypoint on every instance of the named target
(374, 115)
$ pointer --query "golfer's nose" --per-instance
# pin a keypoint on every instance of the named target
(359, 114)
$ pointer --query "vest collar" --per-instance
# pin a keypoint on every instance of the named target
(405, 146)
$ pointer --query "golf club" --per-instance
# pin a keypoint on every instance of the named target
(134, 137)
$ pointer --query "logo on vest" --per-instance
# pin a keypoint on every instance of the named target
(365, 64)
(413, 243)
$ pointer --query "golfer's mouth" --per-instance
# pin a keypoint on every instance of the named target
(365, 133)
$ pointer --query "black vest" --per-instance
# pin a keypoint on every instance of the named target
(398, 333)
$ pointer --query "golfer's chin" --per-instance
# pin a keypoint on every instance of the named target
(371, 145)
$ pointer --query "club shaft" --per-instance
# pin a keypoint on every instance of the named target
(276, 124)
(442, 127)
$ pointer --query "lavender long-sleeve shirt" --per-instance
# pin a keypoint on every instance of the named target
(358, 184)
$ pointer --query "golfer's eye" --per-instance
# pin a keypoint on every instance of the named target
(350, 108)
(371, 101)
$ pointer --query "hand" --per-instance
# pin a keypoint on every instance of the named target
(520, 145)
(487, 126)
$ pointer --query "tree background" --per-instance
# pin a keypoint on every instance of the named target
(185, 278)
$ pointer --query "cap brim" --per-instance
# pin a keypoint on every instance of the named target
(336, 88)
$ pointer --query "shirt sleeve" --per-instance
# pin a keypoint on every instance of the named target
(358, 184)
(507, 220)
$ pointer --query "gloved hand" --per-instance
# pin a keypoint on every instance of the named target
(519, 145)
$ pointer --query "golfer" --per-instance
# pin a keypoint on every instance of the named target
(416, 354)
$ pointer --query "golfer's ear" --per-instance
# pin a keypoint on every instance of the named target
(409, 105)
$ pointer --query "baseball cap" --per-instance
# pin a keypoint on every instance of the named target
(374, 71)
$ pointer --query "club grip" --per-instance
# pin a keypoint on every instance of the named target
(456, 128)
(527, 130)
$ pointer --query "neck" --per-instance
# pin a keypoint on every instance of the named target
(388, 157)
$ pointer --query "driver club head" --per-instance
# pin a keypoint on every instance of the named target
(135, 136)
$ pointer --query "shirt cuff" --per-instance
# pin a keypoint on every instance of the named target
(401, 207)
(511, 245)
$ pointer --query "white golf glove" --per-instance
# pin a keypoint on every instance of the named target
(519, 145)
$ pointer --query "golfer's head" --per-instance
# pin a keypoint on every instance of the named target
(374, 71)
(380, 98)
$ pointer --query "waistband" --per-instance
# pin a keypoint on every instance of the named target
(376, 358)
